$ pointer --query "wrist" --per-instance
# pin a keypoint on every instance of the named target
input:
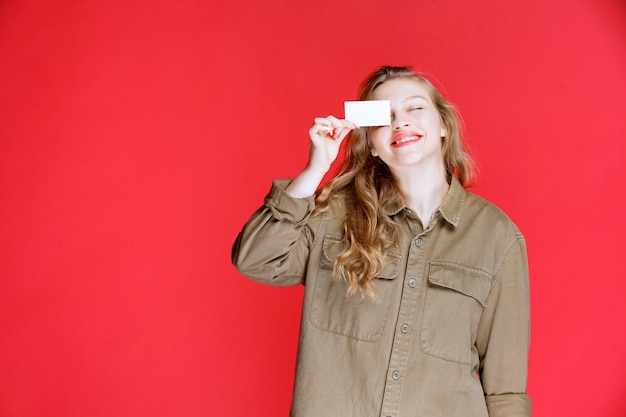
(306, 183)
(314, 172)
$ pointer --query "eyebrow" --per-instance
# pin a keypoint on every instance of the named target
(412, 97)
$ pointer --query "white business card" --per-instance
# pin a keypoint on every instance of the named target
(368, 113)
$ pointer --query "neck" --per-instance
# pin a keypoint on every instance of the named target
(423, 192)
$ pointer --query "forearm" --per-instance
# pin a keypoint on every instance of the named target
(306, 183)
(273, 246)
(504, 338)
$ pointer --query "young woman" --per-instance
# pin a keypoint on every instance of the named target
(416, 297)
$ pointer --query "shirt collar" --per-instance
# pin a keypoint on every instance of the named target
(450, 208)
(452, 204)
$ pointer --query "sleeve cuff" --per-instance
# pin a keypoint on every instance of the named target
(285, 207)
(508, 405)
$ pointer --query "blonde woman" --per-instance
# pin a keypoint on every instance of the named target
(416, 297)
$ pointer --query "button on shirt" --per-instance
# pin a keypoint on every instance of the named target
(449, 333)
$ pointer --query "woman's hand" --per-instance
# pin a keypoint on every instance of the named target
(326, 135)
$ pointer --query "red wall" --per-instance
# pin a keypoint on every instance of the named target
(137, 136)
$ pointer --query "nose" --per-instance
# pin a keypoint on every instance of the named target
(398, 124)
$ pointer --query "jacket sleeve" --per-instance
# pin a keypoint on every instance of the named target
(273, 247)
(504, 337)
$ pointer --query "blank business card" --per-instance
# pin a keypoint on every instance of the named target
(368, 113)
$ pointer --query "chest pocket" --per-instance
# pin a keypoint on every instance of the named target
(455, 298)
(353, 317)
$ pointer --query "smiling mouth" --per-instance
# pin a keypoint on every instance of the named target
(407, 138)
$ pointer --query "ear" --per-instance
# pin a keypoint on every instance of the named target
(443, 131)
(373, 152)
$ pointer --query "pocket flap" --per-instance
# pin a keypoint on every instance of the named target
(335, 246)
(472, 282)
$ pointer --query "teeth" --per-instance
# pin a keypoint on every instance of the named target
(406, 139)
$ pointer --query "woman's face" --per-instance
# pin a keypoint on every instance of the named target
(414, 137)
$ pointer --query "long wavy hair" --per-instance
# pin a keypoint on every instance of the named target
(368, 188)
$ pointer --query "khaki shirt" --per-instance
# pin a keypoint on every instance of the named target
(449, 334)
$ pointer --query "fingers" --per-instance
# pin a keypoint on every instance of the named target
(342, 135)
(327, 134)
(331, 127)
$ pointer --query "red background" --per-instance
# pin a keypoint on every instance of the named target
(136, 137)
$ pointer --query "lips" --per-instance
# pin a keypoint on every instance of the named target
(405, 138)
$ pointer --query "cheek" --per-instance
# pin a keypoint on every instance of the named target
(442, 128)
(377, 138)
(435, 123)
(373, 148)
